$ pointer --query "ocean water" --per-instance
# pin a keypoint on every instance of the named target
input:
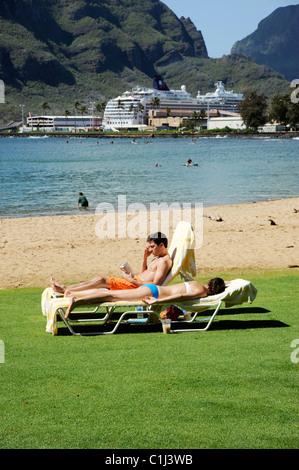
(42, 176)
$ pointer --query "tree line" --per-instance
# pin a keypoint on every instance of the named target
(78, 107)
(256, 112)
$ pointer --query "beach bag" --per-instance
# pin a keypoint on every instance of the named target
(171, 313)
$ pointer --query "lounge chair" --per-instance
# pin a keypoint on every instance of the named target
(182, 253)
(237, 292)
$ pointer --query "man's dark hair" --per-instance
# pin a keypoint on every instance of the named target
(158, 237)
(216, 285)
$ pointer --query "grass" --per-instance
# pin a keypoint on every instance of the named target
(234, 386)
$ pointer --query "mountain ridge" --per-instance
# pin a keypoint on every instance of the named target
(62, 51)
(274, 42)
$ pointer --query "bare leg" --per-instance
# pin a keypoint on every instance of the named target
(95, 283)
(86, 293)
(102, 295)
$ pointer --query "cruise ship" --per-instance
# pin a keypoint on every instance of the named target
(220, 99)
(130, 110)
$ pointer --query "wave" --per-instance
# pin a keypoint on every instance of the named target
(38, 137)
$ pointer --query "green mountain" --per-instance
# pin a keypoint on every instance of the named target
(63, 51)
(275, 42)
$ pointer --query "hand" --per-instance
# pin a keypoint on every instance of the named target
(129, 277)
(149, 300)
(147, 252)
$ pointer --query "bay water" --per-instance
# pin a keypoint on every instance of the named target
(42, 175)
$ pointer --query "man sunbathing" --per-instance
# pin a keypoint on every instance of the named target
(155, 272)
(150, 293)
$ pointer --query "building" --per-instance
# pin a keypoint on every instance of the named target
(231, 121)
(62, 123)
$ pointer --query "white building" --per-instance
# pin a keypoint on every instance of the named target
(62, 123)
(233, 122)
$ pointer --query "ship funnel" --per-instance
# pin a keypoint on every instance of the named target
(159, 84)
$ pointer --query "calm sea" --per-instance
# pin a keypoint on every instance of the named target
(42, 176)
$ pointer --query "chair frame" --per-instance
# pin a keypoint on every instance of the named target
(146, 310)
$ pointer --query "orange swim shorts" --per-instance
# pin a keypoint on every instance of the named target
(116, 283)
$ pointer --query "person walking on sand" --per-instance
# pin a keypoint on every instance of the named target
(82, 201)
(155, 272)
(150, 293)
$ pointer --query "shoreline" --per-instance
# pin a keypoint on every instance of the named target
(235, 237)
(155, 134)
(88, 212)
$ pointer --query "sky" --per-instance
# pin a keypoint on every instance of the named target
(221, 22)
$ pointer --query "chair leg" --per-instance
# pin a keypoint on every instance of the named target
(208, 324)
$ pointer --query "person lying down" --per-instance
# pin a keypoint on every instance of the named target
(150, 293)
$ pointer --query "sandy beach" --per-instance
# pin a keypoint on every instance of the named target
(239, 236)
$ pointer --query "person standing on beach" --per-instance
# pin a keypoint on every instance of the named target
(82, 200)
(155, 272)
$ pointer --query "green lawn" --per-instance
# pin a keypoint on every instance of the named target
(234, 386)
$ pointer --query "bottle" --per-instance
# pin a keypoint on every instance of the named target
(140, 314)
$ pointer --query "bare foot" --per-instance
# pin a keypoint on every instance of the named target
(70, 307)
(57, 287)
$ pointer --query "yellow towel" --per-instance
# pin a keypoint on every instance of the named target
(47, 296)
(182, 251)
(51, 313)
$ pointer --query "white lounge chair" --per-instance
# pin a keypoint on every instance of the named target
(181, 251)
(236, 292)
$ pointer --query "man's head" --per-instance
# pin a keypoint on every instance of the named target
(157, 244)
(216, 286)
(158, 238)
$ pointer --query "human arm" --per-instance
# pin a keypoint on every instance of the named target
(146, 254)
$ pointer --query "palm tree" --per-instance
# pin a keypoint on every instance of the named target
(155, 102)
(66, 113)
(140, 109)
(82, 110)
(100, 107)
(76, 108)
(45, 106)
(77, 105)
(194, 118)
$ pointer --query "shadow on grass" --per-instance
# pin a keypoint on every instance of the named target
(218, 324)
